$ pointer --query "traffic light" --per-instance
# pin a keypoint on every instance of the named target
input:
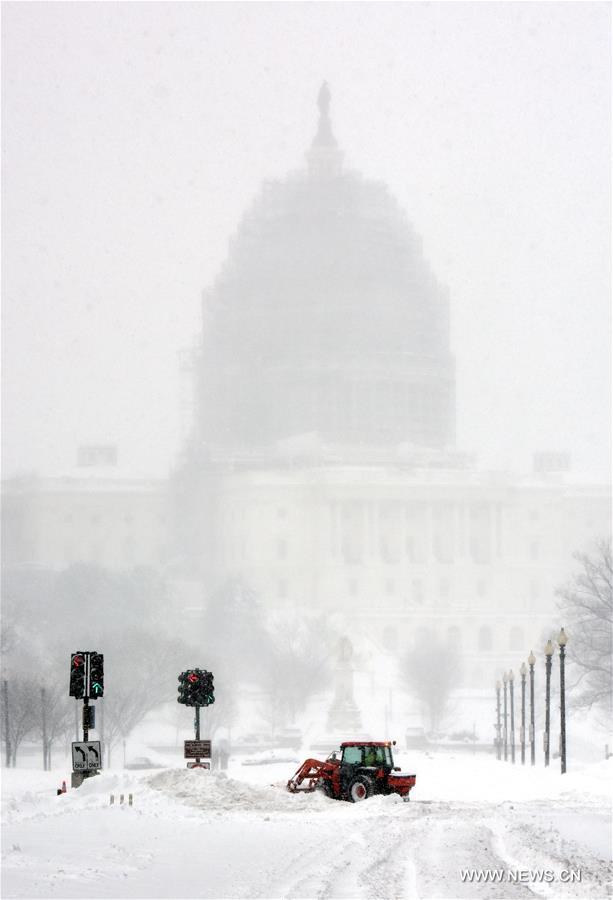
(202, 688)
(196, 688)
(207, 692)
(96, 675)
(182, 689)
(192, 680)
(77, 674)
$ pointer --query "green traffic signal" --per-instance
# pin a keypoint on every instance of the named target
(96, 674)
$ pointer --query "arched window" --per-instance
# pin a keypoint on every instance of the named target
(516, 638)
(390, 638)
(418, 592)
(485, 638)
(421, 637)
(454, 637)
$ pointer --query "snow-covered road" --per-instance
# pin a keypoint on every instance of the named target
(191, 834)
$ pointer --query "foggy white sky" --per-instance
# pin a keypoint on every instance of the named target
(136, 134)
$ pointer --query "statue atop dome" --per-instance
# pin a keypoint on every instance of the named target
(324, 136)
(323, 100)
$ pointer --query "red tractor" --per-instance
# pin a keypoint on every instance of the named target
(365, 768)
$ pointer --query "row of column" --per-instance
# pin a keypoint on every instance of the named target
(368, 530)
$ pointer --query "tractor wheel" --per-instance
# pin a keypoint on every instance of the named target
(361, 788)
(326, 788)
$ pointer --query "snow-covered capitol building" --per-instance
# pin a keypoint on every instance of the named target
(321, 468)
(325, 428)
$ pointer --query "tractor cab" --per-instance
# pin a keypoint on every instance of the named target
(367, 755)
(365, 768)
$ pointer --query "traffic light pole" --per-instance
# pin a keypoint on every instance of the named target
(86, 701)
(197, 727)
(85, 719)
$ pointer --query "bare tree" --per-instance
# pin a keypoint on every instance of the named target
(587, 602)
(222, 714)
(430, 671)
(58, 715)
(297, 665)
(234, 620)
(124, 708)
(142, 669)
(22, 710)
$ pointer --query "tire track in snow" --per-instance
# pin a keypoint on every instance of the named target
(449, 845)
(544, 848)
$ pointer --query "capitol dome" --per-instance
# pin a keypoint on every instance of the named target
(326, 319)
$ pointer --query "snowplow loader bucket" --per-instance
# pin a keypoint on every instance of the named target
(307, 776)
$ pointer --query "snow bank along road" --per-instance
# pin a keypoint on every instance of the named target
(472, 826)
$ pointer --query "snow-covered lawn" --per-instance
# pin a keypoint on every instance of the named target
(195, 834)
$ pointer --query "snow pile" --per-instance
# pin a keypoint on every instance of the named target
(215, 791)
(592, 782)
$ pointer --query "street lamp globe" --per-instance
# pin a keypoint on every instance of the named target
(549, 648)
(562, 638)
(532, 658)
(497, 685)
(504, 677)
(523, 669)
(511, 675)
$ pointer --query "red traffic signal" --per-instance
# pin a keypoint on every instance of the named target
(77, 675)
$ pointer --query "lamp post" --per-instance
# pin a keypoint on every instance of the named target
(522, 732)
(504, 715)
(562, 641)
(498, 725)
(531, 661)
(548, 655)
(511, 683)
(7, 737)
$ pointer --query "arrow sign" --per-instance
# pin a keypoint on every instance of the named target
(92, 749)
(96, 687)
(85, 756)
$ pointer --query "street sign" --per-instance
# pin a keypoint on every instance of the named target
(86, 756)
(197, 750)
